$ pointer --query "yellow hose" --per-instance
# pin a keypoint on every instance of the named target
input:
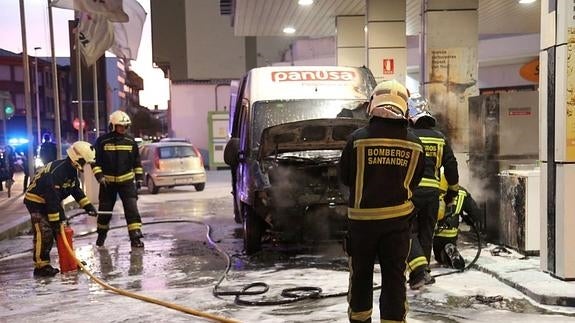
(138, 296)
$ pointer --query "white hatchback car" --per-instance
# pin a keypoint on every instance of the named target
(169, 164)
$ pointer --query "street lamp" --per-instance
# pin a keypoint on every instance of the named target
(37, 94)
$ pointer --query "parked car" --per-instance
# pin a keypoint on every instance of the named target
(169, 164)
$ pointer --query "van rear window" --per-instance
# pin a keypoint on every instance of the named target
(176, 152)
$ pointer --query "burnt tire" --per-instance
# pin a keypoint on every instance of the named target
(200, 187)
(152, 188)
(253, 230)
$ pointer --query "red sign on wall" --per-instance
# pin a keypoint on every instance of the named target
(388, 66)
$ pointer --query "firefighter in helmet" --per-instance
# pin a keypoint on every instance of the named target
(119, 171)
(381, 163)
(438, 153)
(50, 186)
(447, 230)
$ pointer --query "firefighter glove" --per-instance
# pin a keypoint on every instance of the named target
(91, 210)
(468, 219)
(139, 184)
(102, 180)
(449, 196)
(55, 225)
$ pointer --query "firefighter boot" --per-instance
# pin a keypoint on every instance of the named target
(102, 234)
(135, 236)
(417, 279)
(455, 258)
(46, 271)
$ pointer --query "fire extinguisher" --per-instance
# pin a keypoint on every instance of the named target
(66, 259)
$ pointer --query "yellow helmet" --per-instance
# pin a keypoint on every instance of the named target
(120, 118)
(389, 100)
(443, 184)
(81, 153)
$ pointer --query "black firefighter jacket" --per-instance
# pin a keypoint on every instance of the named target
(51, 185)
(439, 153)
(117, 158)
(382, 163)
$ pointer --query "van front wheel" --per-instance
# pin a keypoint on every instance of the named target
(253, 230)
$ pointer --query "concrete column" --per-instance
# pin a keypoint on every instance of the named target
(450, 38)
(350, 40)
(386, 40)
(557, 137)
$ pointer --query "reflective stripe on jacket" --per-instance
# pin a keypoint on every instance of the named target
(382, 164)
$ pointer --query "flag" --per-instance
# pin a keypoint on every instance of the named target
(111, 9)
(127, 35)
(96, 36)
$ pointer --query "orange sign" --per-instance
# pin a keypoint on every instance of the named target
(530, 71)
(388, 66)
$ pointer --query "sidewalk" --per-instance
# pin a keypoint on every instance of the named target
(14, 217)
(513, 269)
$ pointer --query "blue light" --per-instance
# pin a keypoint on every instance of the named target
(17, 141)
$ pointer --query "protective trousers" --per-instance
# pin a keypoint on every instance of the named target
(129, 196)
(426, 201)
(388, 242)
(44, 234)
(416, 261)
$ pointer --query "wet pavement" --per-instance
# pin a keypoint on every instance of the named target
(193, 245)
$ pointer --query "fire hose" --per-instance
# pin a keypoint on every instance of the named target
(135, 295)
(477, 254)
(291, 294)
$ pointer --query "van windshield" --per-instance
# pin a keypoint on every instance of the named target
(271, 113)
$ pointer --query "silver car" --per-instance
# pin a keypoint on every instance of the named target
(169, 164)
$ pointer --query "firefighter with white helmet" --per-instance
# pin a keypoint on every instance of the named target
(381, 163)
(438, 153)
(51, 184)
(119, 171)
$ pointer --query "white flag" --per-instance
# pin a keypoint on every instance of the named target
(96, 36)
(127, 36)
(111, 9)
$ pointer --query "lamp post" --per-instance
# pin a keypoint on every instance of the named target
(37, 89)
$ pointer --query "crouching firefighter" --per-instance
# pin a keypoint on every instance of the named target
(447, 230)
(50, 185)
(117, 166)
(381, 164)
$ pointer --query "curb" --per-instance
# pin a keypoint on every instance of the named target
(539, 298)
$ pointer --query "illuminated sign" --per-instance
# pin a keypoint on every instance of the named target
(282, 76)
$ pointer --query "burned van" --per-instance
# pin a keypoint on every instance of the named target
(287, 129)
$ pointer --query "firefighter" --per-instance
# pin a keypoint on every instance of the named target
(381, 164)
(447, 231)
(438, 153)
(117, 167)
(50, 185)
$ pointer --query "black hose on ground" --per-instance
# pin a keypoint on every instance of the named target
(291, 295)
(478, 235)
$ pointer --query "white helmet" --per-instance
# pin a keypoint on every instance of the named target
(81, 153)
(120, 118)
(389, 100)
(419, 108)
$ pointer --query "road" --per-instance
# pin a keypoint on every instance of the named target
(180, 265)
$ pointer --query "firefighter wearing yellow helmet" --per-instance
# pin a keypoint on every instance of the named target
(438, 153)
(381, 163)
(119, 171)
(50, 186)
